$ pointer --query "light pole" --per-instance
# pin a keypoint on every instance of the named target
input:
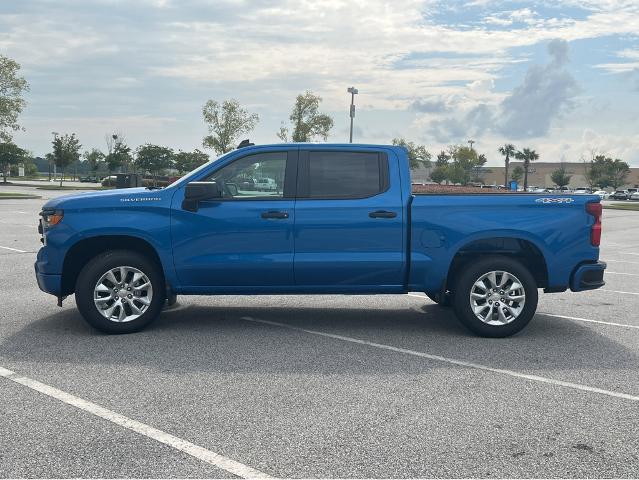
(470, 142)
(353, 91)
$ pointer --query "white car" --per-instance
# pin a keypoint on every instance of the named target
(634, 196)
(602, 194)
(265, 184)
(582, 191)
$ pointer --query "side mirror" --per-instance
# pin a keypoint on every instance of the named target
(195, 192)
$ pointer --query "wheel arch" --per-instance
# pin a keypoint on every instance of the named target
(519, 248)
(86, 249)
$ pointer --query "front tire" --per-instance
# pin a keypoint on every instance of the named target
(120, 291)
(495, 297)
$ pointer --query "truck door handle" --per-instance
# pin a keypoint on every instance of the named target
(382, 214)
(274, 214)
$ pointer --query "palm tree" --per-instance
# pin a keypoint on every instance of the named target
(527, 155)
(508, 150)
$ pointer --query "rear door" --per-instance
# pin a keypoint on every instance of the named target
(349, 232)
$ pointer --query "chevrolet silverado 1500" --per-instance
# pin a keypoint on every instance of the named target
(341, 220)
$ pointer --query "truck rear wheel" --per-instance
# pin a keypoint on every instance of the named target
(495, 297)
(120, 292)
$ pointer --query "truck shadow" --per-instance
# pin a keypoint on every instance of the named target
(195, 338)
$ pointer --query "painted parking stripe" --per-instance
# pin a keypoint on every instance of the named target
(615, 291)
(13, 249)
(231, 466)
(607, 260)
(453, 361)
(614, 324)
(620, 273)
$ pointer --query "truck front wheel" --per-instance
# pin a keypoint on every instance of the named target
(495, 297)
(120, 291)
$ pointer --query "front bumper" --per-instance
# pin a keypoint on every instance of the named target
(49, 283)
(588, 277)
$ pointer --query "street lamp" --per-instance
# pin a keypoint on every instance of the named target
(470, 142)
(353, 91)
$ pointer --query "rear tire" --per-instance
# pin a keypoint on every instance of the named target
(120, 291)
(495, 297)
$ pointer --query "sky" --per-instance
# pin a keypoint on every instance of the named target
(561, 77)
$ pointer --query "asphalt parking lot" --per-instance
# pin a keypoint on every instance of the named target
(328, 386)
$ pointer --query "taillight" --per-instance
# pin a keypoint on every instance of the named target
(595, 209)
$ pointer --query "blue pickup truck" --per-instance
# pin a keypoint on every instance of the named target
(331, 219)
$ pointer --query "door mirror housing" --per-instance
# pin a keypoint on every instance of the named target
(195, 192)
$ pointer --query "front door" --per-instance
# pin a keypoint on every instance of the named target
(244, 239)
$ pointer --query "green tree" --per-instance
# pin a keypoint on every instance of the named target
(508, 150)
(153, 159)
(226, 122)
(440, 172)
(66, 151)
(306, 121)
(186, 161)
(527, 155)
(418, 156)
(12, 89)
(119, 156)
(465, 164)
(517, 173)
(605, 172)
(618, 170)
(560, 177)
(51, 161)
(94, 159)
(10, 154)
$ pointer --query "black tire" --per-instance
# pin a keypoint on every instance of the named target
(445, 300)
(472, 272)
(98, 266)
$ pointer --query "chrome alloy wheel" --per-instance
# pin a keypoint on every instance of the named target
(123, 294)
(497, 298)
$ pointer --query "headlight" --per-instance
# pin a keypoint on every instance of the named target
(51, 217)
(48, 219)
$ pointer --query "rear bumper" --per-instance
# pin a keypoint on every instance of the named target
(588, 277)
(49, 283)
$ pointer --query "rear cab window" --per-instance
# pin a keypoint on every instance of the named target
(342, 175)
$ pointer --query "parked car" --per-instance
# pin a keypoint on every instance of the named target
(631, 191)
(634, 196)
(346, 222)
(620, 195)
(89, 179)
(582, 191)
(602, 194)
(265, 184)
(109, 181)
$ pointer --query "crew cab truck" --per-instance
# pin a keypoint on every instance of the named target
(342, 220)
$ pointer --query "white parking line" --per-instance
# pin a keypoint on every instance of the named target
(619, 273)
(13, 249)
(453, 361)
(614, 324)
(607, 260)
(628, 253)
(201, 453)
(588, 320)
(615, 291)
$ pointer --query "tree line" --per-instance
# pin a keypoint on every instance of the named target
(228, 121)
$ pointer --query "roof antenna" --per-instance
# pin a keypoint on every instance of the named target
(245, 143)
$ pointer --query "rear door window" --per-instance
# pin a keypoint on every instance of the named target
(346, 175)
